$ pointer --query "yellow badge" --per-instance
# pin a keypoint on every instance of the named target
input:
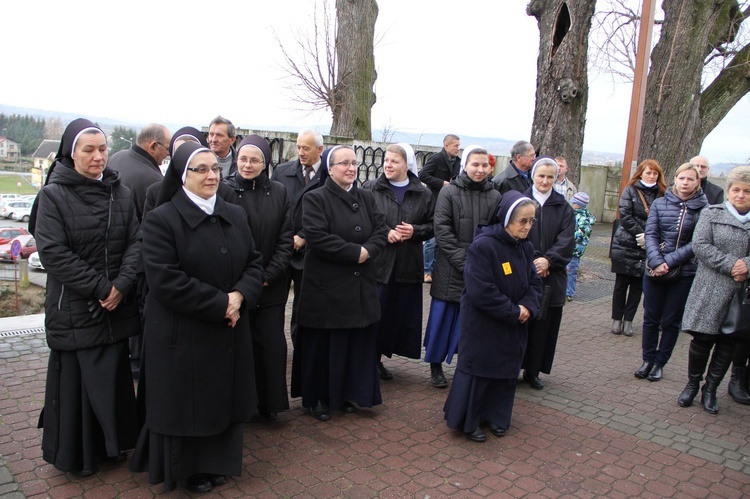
(506, 268)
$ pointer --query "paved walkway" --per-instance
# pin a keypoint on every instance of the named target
(595, 430)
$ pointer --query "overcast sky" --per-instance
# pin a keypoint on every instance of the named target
(443, 66)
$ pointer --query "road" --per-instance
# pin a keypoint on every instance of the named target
(38, 277)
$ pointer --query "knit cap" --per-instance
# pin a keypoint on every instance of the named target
(581, 199)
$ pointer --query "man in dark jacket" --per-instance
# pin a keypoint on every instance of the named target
(517, 176)
(437, 171)
(713, 192)
(299, 176)
(221, 137)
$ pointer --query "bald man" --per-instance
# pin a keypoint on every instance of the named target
(713, 192)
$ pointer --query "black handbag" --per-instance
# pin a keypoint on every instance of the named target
(737, 319)
(672, 275)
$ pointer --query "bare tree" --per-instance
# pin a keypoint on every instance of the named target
(562, 77)
(53, 128)
(333, 66)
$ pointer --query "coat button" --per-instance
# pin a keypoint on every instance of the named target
(223, 250)
(227, 284)
(356, 274)
(229, 349)
(213, 220)
(355, 206)
(357, 229)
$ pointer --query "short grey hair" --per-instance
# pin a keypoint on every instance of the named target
(220, 120)
(738, 174)
(450, 137)
(151, 133)
(317, 136)
(520, 147)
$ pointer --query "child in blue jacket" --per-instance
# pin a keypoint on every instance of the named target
(584, 222)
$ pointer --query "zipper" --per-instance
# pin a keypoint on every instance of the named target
(106, 252)
(59, 302)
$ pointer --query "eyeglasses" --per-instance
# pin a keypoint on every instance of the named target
(525, 221)
(203, 170)
(348, 164)
(702, 167)
(252, 161)
(531, 155)
(165, 147)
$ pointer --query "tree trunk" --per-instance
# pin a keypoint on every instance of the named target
(562, 80)
(353, 96)
(677, 116)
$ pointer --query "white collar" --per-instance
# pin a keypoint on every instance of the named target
(540, 198)
(206, 205)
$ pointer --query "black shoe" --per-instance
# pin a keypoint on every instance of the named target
(348, 407)
(383, 372)
(736, 388)
(216, 480)
(320, 411)
(267, 415)
(643, 371)
(437, 378)
(497, 431)
(688, 393)
(655, 373)
(533, 381)
(476, 435)
(198, 483)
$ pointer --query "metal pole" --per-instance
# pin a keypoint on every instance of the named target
(638, 97)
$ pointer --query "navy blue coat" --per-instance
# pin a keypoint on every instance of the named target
(499, 276)
(672, 218)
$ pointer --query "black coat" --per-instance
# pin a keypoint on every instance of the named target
(405, 259)
(714, 193)
(199, 370)
(460, 207)
(510, 180)
(138, 171)
(269, 216)
(672, 218)
(290, 175)
(500, 275)
(337, 292)
(626, 256)
(88, 239)
(439, 168)
(553, 237)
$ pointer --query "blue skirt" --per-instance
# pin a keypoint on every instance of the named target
(441, 336)
(473, 400)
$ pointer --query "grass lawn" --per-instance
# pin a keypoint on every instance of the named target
(8, 185)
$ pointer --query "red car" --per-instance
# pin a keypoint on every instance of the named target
(28, 246)
(7, 234)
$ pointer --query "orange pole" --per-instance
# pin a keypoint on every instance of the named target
(638, 97)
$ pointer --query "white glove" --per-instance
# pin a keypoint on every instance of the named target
(640, 239)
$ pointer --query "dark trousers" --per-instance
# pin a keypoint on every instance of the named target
(741, 353)
(663, 305)
(624, 304)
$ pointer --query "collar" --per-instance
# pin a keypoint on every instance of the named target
(193, 215)
(142, 152)
(207, 205)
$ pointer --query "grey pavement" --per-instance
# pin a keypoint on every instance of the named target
(594, 431)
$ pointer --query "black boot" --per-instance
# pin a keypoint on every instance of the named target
(736, 388)
(718, 367)
(697, 360)
(437, 378)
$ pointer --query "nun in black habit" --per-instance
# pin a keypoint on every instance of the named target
(88, 238)
(203, 275)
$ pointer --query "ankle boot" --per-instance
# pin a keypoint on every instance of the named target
(616, 327)
(697, 360)
(437, 378)
(720, 361)
(627, 328)
(736, 389)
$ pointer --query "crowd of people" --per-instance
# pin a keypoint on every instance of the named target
(180, 281)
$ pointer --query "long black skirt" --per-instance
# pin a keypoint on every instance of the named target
(540, 350)
(89, 407)
(335, 366)
(474, 400)
(400, 327)
(172, 459)
(269, 354)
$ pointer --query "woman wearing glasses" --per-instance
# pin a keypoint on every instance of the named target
(268, 213)
(203, 275)
(501, 295)
(335, 356)
(553, 237)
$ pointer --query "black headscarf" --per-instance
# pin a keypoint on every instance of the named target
(187, 130)
(173, 177)
(260, 143)
(64, 157)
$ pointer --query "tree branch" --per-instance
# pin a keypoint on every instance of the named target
(725, 91)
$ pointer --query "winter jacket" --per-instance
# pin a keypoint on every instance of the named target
(553, 238)
(337, 292)
(500, 275)
(510, 180)
(403, 261)
(669, 231)
(439, 168)
(584, 221)
(460, 207)
(719, 240)
(626, 256)
(199, 369)
(138, 171)
(88, 239)
(269, 216)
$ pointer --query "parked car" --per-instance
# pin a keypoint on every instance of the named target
(28, 246)
(21, 213)
(7, 234)
(35, 262)
(7, 197)
(13, 206)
